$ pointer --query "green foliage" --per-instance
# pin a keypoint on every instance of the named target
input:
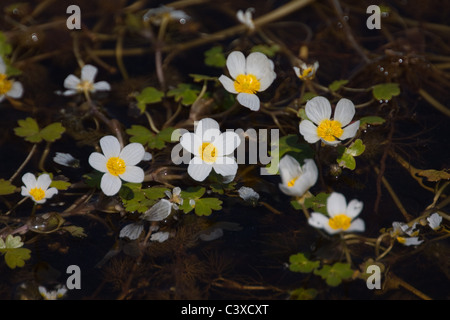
(370, 120)
(29, 130)
(299, 263)
(202, 77)
(385, 91)
(60, 184)
(333, 275)
(145, 137)
(307, 96)
(136, 199)
(318, 203)
(184, 93)
(337, 84)
(202, 206)
(346, 158)
(215, 57)
(6, 187)
(15, 255)
(303, 294)
(147, 96)
(75, 231)
(269, 51)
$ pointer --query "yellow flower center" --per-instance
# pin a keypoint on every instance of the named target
(307, 73)
(5, 84)
(291, 183)
(341, 221)
(85, 86)
(246, 83)
(208, 152)
(329, 130)
(37, 194)
(116, 166)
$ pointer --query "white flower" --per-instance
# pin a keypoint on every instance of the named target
(66, 159)
(320, 126)
(296, 179)
(251, 75)
(246, 18)
(8, 88)
(434, 221)
(211, 149)
(38, 189)
(160, 236)
(400, 229)
(53, 294)
(341, 217)
(86, 83)
(117, 164)
(306, 71)
(248, 194)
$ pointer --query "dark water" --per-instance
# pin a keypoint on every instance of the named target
(252, 263)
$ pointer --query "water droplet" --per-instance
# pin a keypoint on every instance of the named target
(34, 37)
(345, 18)
(386, 73)
(400, 60)
(182, 21)
(45, 223)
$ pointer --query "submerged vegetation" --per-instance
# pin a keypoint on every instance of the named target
(135, 149)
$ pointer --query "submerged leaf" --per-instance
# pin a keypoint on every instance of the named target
(299, 263)
(6, 187)
(148, 95)
(215, 57)
(385, 91)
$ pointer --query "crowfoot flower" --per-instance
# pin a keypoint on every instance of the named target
(8, 87)
(85, 84)
(306, 71)
(246, 17)
(341, 217)
(405, 234)
(211, 149)
(320, 126)
(117, 164)
(296, 179)
(251, 75)
(38, 189)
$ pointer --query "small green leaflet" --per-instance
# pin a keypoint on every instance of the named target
(6, 187)
(299, 263)
(214, 57)
(184, 93)
(333, 275)
(202, 206)
(148, 95)
(15, 255)
(144, 136)
(29, 129)
(385, 91)
(346, 158)
(318, 203)
(337, 84)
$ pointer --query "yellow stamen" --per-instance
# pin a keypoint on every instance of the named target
(246, 83)
(402, 240)
(208, 152)
(329, 130)
(341, 221)
(307, 73)
(291, 183)
(5, 84)
(37, 194)
(85, 86)
(116, 166)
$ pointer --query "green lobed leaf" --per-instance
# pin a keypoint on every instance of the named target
(144, 136)
(148, 95)
(337, 84)
(184, 93)
(372, 120)
(346, 161)
(16, 257)
(52, 132)
(202, 77)
(205, 206)
(318, 203)
(75, 231)
(28, 129)
(192, 193)
(214, 57)
(307, 96)
(299, 263)
(385, 91)
(333, 275)
(6, 187)
(356, 148)
(303, 294)
(60, 184)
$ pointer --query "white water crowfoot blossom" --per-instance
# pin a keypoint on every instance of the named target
(8, 87)
(85, 84)
(341, 217)
(246, 17)
(37, 189)
(250, 75)
(321, 126)
(296, 179)
(306, 71)
(117, 164)
(405, 234)
(211, 149)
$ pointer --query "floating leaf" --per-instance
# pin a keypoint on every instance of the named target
(346, 158)
(346, 161)
(52, 132)
(385, 91)
(148, 95)
(303, 294)
(356, 148)
(144, 136)
(16, 257)
(307, 96)
(317, 203)
(192, 193)
(214, 57)
(434, 175)
(269, 51)
(333, 275)
(28, 129)
(6, 187)
(372, 120)
(185, 93)
(205, 206)
(299, 263)
(202, 77)
(60, 184)
(337, 84)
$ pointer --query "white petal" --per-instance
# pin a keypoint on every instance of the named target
(289, 169)
(318, 109)
(16, 90)
(88, 73)
(331, 143)
(132, 154)
(159, 211)
(2, 66)
(197, 171)
(191, 143)
(336, 204)
(249, 100)
(29, 180)
(133, 174)
(227, 83)
(344, 112)
(266, 80)
(257, 64)
(98, 161)
(43, 181)
(287, 190)
(207, 129)
(25, 191)
(354, 208)
(309, 131)
(110, 184)
(132, 231)
(50, 192)
(236, 63)
(310, 172)
(71, 82)
(225, 166)
(357, 226)
(102, 86)
(350, 131)
(318, 220)
(110, 146)
(226, 143)
(297, 71)
(69, 92)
